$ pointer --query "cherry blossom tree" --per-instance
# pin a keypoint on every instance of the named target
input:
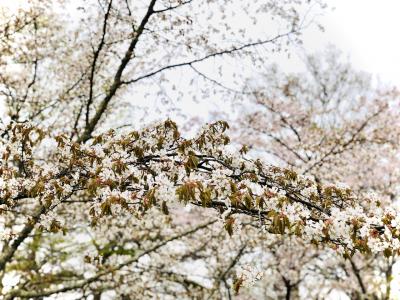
(92, 206)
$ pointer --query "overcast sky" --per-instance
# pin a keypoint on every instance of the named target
(368, 30)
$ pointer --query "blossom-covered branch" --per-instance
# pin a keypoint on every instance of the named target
(156, 167)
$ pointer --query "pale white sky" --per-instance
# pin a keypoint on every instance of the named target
(368, 30)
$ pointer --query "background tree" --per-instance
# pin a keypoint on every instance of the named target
(332, 123)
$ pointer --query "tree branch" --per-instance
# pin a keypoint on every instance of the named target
(117, 78)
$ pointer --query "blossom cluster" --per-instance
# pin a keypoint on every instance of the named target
(157, 168)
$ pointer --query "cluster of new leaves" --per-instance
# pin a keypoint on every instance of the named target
(157, 167)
